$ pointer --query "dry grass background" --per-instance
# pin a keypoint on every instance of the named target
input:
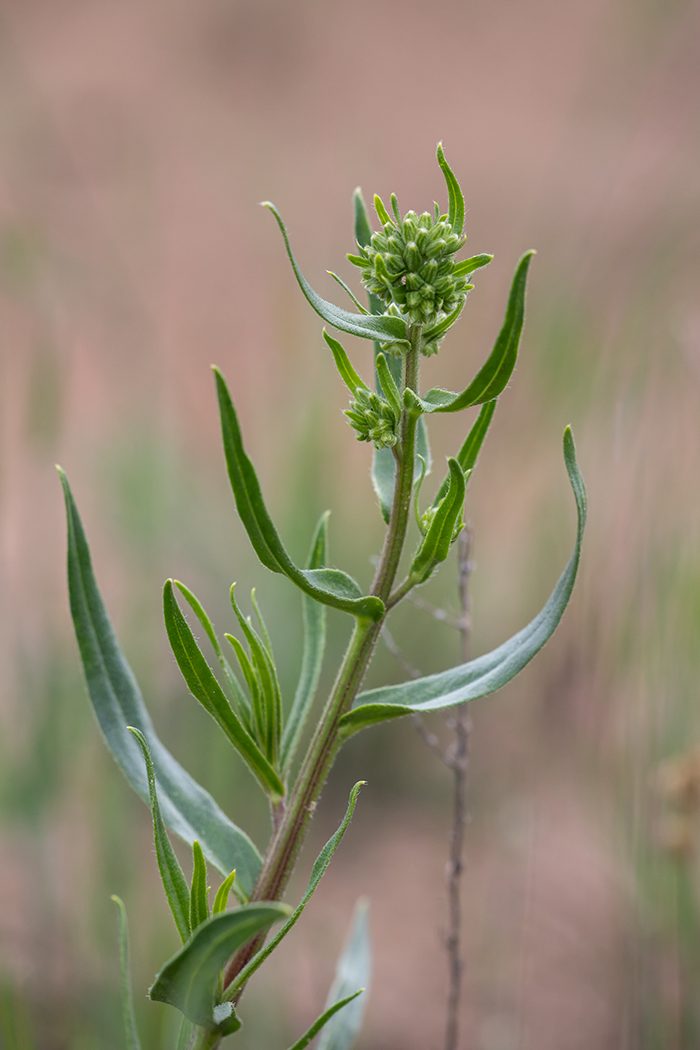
(137, 139)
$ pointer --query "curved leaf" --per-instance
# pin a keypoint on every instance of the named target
(187, 808)
(199, 891)
(324, 1019)
(370, 326)
(189, 980)
(492, 378)
(469, 452)
(204, 687)
(455, 212)
(487, 673)
(438, 540)
(171, 873)
(221, 899)
(317, 872)
(328, 586)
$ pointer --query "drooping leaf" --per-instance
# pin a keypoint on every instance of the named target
(129, 1017)
(441, 532)
(367, 326)
(174, 882)
(323, 1019)
(199, 891)
(468, 454)
(234, 684)
(221, 899)
(492, 378)
(189, 981)
(187, 808)
(455, 211)
(352, 974)
(317, 872)
(486, 673)
(204, 686)
(328, 586)
(314, 624)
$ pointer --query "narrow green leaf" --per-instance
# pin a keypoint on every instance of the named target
(455, 212)
(343, 285)
(489, 672)
(174, 882)
(270, 728)
(323, 1019)
(253, 687)
(129, 1017)
(189, 981)
(317, 872)
(382, 213)
(314, 624)
(263, 626)
(205, 688)
(199, 891)
(492, 379)
(352, 974)
(234, 685)
(389, 387)
(383, 328)
(438, 539)
(342, 362)
(363, 230)
(328, 586)
(222, 894)
(469, 452)
(187, 808)
(467, 266)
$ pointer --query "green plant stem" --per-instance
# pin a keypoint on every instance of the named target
(286, 841)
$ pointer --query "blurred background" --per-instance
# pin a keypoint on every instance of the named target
(137, 140)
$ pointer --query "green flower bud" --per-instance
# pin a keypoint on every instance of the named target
(373, 418)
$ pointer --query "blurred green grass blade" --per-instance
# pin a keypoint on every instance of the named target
(455, 210)
(317, 872)
(492, 378)
(352, 975)
(187, 808)
(129, 1018)
(199, 891)
(16, 1031)
(328, 586)
(370, 326)
(438, 539)
(174, 882)
(469, 452)
(222, 894)
(199, 611)
(342, 362)
(487, 673)
(189, 980)
(314, 644)
(205, 688)
(323, 1019)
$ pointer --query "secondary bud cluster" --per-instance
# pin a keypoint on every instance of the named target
(410, 262)
(373, 419)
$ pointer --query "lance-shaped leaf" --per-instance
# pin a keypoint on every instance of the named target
(199, 891)
(129, 1017)
(323, 1019)
(174, 882)
(189, 980)
(221, 899)
(363, 235)
(469, 452)
(317, 872)
(234, 685)
(328, 586)
(492, 379)
(342, 362)
(270, 727)
(438, 539)
(314, 627)
(204, 686)
(187, 808)
(455, 210)
(352, 974)
(366, 326)
(487, 673)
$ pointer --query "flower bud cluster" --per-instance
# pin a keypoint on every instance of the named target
(410, 263)
(373, 419)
